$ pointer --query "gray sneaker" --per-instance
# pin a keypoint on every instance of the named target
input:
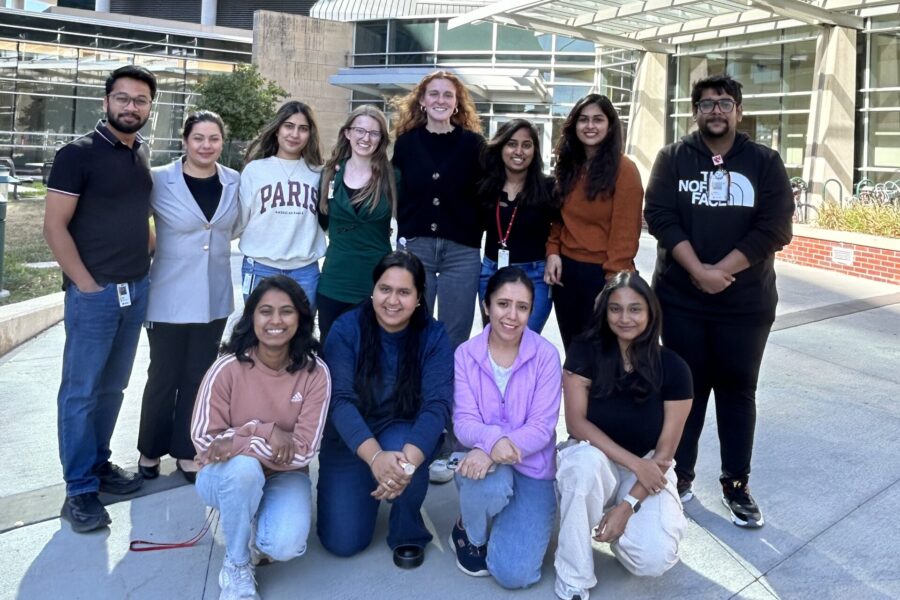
(237, 581)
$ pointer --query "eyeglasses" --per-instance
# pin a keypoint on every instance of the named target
(361, 132)
(123, 100)
(707, 106)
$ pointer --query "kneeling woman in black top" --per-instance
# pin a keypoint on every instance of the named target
(627, 399)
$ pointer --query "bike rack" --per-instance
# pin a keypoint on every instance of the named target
(840, 191)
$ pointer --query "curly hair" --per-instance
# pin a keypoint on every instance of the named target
(303, 347)
(266, 143)
(409, 107)
(571, 157)
(382, 181)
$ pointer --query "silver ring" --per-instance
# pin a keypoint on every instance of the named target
(390, 482)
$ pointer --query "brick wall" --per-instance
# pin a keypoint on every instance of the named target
(860, 260)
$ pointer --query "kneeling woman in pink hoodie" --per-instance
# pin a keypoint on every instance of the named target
(507, 396)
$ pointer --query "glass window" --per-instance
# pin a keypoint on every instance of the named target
(758, 69)
(371, 37)
(694, 68)
(44, 114)
(569, 94)
(477, 36)
(799, 64)
(523, 40)
(411, 36)
(885, 63)
(793, 142)
(567, 44)
(884, 139)
(87, 112)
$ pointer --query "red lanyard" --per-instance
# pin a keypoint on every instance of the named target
(503, 238)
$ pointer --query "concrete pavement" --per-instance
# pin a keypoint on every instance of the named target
(826, 473)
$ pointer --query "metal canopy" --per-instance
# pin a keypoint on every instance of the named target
(658, 25)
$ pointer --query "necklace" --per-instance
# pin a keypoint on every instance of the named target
(283, 170)
(494, 358)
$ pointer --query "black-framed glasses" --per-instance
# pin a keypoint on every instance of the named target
(362, 132)
(122, 100)
(707, 106)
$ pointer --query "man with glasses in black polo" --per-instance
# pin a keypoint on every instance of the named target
(96, 224)
(720, 206)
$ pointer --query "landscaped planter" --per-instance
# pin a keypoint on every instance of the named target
(858, 254)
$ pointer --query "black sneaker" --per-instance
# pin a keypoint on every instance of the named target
(116, 480)
(471, 559)
(85, 512)
(737, 499)
(685, 490)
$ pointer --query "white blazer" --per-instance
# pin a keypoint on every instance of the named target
(190, 277)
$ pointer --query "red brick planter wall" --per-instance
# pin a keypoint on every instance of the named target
(860, 260)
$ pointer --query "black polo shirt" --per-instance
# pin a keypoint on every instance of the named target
(113, 184)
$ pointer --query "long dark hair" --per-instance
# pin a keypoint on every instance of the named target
(644, 353)
(535, 190)
(266, 143)
(571, 157)
(303, 347)
(408, 394)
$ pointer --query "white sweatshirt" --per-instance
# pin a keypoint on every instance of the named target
(279, 213)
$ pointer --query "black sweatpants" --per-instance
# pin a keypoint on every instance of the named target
(574, 300)
(180, 354)
(724, 358)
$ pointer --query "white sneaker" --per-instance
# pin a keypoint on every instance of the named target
(237, 581)
(565, 591)
(439, 471)
(258, 558)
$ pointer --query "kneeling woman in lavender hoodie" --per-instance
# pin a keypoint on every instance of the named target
(507, 396)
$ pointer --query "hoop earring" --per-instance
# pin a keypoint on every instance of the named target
(422, 107)
(456, 110)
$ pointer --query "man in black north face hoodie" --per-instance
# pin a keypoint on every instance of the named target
(720, 206)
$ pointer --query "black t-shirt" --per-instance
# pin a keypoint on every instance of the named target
(110, 225)
(635, 427)
(207, 192)
(528, 235)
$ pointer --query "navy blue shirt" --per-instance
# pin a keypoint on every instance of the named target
(110, 225)
(345, 421)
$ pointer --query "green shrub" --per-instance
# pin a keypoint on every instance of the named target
(875, 219)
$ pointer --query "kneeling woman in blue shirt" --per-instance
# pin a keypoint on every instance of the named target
(392, 375)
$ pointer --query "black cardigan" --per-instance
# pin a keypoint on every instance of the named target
(438, 195)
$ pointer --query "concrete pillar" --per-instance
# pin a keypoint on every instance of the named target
(103, 6)
(300, 54)
(208, 12)
(647, 127)
(829, 134)
(18, 4)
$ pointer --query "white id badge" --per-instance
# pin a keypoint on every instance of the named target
(331, 190)
(123, 294)
(245, 283)
(718, 187)
(502, 258)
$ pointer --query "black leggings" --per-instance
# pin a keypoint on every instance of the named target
(724, 358)
(329, 310)
(574, 300)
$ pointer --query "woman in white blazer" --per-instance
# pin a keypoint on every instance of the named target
(195, 208)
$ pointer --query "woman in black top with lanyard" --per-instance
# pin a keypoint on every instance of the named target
(517, 211)
(437, 154)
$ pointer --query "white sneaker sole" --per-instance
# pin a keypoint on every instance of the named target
(741, 522)
(482, 573)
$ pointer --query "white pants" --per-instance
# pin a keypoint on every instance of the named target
(590, 484)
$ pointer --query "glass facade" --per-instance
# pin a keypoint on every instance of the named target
(52, 75)
(776, 70)
(878, 101)
(566, 68)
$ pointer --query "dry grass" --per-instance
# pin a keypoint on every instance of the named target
(25, 244)
(883, 220)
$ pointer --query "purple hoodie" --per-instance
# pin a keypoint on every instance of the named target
(528, 413)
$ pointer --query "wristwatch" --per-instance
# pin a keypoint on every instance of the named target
(634, 502)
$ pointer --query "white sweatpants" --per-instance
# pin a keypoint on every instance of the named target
(589, 484)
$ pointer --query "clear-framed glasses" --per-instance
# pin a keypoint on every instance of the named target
(707, 106)
(122, 100)
(361, 132)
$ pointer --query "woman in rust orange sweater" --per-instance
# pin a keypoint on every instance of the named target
(600, 195)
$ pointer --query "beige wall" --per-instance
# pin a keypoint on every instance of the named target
(300, 54)
(647, 127)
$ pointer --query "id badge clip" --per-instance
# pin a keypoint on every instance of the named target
(123, 294)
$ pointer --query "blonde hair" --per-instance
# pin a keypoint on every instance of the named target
(382, 181)
(410, 114)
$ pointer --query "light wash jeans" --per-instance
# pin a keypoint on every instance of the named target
(520, 512)
(589, 485)
(451, 277)
(281, 505)
(101, 342)
(540, 309)
(253, 271)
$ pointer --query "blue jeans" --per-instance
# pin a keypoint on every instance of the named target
(451, 277)
(523, 512)
(252, 272)
(347, 512)
(101, 341)
(540, 310)
(281, 505)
